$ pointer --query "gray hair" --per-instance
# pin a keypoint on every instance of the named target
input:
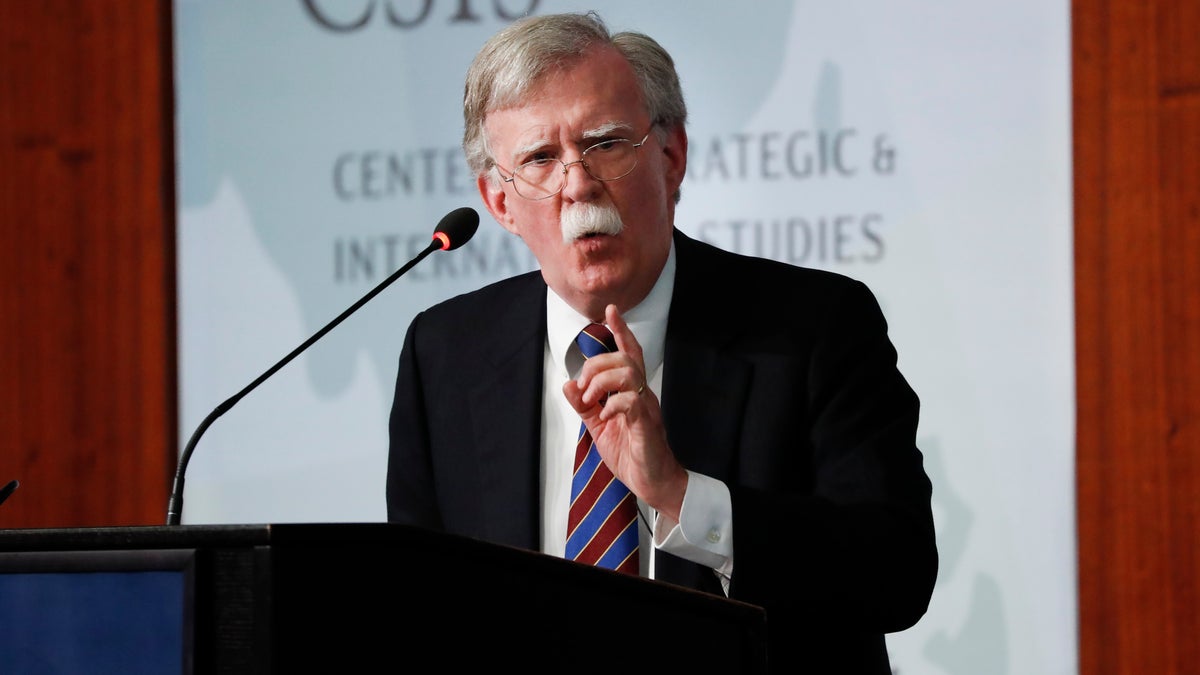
(512, 61)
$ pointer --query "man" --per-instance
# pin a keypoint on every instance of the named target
(753, 408)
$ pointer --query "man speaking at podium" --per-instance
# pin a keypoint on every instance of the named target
(733, 424)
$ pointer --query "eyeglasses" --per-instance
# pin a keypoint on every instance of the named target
(544, 177)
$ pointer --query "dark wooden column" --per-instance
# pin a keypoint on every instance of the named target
(1137, 275)
(87, 294)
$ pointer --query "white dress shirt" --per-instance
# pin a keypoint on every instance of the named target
(704, 534)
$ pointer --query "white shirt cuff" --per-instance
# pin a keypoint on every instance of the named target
(704, 533)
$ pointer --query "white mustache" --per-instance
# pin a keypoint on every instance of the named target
(582, 219)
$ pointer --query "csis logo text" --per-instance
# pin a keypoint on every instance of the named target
(348, 16)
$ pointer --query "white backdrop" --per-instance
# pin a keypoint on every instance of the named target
(920, 146)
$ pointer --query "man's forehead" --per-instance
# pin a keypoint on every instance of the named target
(594, 94)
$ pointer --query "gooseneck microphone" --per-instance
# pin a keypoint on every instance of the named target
(452, 231)
(8, 489)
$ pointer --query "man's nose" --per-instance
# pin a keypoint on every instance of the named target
(579, 185)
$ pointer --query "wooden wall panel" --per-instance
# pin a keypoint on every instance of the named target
(87, 357)
(1137, 257)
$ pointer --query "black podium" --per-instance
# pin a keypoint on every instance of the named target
(348, 598)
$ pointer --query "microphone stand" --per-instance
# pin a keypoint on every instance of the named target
(440, 241)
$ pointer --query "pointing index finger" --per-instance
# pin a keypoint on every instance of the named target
(626, 342)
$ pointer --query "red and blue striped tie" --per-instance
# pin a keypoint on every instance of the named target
(602, 523)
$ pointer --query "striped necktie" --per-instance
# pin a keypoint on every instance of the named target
(602, 523)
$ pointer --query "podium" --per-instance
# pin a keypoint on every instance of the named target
(345, 598)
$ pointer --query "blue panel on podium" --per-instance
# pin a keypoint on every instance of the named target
(95, 612)
(111, 622)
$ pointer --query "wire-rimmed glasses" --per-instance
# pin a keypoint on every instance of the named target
(544, 177)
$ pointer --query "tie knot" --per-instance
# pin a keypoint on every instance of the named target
(595, 339)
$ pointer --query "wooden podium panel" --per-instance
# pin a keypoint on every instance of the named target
(377, 597)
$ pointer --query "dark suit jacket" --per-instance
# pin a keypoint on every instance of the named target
(778, 380)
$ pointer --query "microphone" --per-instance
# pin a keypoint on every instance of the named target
(8, 489)
(452, 231)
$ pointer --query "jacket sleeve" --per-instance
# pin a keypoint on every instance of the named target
(846, 543)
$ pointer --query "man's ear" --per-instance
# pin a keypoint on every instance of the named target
(675, 147)
(496, 200)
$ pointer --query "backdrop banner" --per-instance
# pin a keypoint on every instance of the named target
(922, 147)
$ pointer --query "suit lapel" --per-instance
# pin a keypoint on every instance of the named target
(704, 388)
(704, 384)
